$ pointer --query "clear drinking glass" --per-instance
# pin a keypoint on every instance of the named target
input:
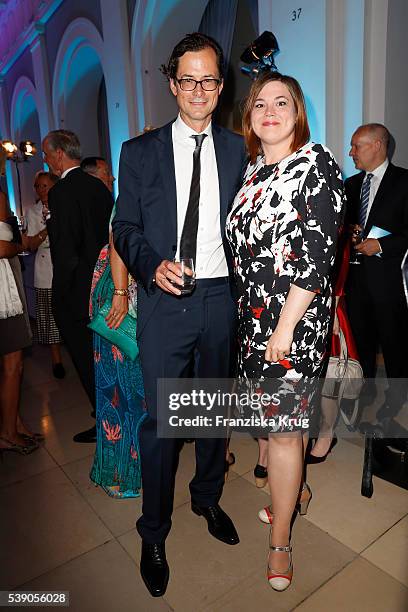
(357, 235)
(22, 226)
(187, 280)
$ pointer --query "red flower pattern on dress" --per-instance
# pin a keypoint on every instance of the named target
(257, 311)
(251, 180)
(256, 197)
(271, 410)
(97, 356)
(116, 353)
(133, 453)
(112, 432)
(304, 404)
(286, 364)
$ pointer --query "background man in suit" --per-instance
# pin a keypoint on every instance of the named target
(98, 166)
(175, 187)
(80, 207)
(378, 197)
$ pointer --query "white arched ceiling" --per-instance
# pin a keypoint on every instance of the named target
(77, 79)
(156, 29)
(23, 103)
(25, 125)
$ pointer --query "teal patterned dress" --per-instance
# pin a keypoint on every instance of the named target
(120, 407)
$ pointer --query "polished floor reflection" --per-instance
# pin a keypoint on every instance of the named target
(60, 532)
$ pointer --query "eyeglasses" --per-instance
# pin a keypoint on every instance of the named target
(191, 84)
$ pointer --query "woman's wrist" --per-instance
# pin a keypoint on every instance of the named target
(121, 292)
(286, 323)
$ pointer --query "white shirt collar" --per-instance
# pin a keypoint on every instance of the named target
(380, 170)
(64, 174)
(183, 132)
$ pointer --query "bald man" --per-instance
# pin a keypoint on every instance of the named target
(378, 198)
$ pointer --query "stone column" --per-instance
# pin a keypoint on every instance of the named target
(11, 177)
(119, 84)
(42, 81)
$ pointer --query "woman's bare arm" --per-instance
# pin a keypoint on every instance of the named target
(120, 303)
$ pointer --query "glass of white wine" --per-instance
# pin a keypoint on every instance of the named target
(22, 226)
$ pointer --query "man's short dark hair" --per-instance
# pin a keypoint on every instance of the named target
(193, 42)
(90, 164)
(65, 140)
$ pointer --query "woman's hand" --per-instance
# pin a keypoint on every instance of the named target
(279, 344)
(118, 311)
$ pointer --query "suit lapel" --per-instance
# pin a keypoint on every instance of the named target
(221, 154)
(167, 170)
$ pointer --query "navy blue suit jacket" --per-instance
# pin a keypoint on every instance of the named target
(145, 224)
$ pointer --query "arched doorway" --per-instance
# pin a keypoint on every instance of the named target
(79, 92)
(25, 126)
(157, 27)
(85, 95)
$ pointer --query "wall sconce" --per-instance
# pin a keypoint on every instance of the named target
(18, 155)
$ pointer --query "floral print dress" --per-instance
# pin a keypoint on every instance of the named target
(120, 406)
(283, 229)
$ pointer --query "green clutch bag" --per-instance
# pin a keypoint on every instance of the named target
(124, 337)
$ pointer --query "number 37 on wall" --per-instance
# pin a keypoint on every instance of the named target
(296, 14)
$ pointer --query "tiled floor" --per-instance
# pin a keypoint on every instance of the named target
(59, 532)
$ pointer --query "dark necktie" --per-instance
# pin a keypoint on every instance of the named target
(188, 242)
(365, 197)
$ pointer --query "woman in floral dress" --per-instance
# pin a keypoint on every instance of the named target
(283, 230)
(120, 407)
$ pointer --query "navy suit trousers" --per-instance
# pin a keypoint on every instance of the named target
(189, 336)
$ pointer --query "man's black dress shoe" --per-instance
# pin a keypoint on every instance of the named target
(219, 524)
(87, 436)
(154, 568)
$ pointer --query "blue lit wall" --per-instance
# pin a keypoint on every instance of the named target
(301, 32)
(353, 78)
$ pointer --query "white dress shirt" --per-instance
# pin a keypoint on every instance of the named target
(210, 260)
(64, 174)
(376, 179)
(43, 263)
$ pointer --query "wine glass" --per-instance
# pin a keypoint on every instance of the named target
(187, 281)
(23, 227)
(357, 237)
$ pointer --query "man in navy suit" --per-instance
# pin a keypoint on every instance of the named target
(377, 197)
(176, 185)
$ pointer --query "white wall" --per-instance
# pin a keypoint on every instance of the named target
(300, 29)
(396, 81)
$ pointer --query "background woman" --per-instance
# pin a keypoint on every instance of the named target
(119, 389)
(283, 229)
(15, 335)
(37, 240)
(330, 406)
